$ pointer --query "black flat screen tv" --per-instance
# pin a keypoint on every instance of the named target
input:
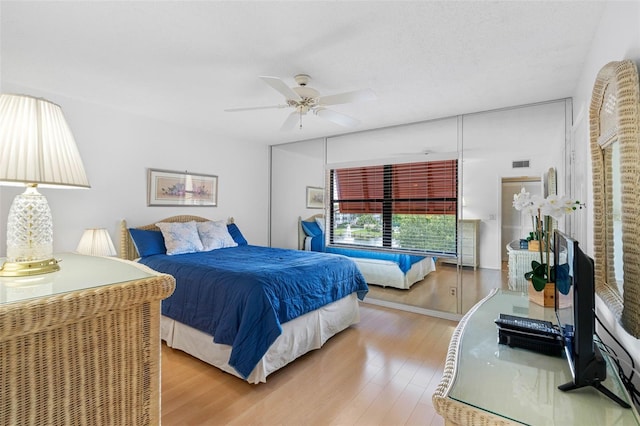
(575, 311)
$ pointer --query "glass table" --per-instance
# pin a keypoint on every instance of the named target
(487, 382)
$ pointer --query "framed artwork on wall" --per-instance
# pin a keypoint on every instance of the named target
(171, 188)
(315, 198)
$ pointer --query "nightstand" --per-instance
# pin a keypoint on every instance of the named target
(82, 345)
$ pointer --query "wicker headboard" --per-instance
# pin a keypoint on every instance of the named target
(128, 248)
(301, 234)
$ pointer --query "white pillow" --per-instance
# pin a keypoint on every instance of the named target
(320, 222)
(215, 235)
(180, 238)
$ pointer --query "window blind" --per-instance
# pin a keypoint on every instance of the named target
(408, 206)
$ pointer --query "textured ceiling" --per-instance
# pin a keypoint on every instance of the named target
(185, 61)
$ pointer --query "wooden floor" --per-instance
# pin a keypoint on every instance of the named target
(434, 291)
(381, 371)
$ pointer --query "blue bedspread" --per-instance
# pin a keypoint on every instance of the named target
(404, 261)
(242, 295)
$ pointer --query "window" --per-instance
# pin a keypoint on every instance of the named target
(407, 207)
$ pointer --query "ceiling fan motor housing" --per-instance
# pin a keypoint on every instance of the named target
(308, 96)
(302, 79)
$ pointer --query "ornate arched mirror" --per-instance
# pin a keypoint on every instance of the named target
(615, 146)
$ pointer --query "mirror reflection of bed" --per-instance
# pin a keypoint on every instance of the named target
(428, 283)
(379, 268)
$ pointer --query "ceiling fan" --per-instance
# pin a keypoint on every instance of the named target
(303, 99)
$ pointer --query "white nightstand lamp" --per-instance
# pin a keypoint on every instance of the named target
(36, 149)
(96, 242)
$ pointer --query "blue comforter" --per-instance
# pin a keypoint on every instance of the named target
(242, 295)
(404, 261)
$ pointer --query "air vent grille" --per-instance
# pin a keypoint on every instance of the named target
(520, 164)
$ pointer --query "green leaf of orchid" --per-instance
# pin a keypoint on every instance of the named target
(538, 282)
(538, 275)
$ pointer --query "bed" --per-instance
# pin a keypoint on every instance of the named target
(384, 269)
(248, 310)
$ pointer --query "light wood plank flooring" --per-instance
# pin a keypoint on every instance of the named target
(433, 292)
(381, 371)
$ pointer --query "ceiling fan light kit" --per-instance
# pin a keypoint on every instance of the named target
(303, 99)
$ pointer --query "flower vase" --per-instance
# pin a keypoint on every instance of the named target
(545, 297)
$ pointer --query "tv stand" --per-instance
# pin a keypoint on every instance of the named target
(598, 385)
(594, 372)
(485, 382)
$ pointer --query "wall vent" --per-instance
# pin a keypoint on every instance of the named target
(520, 164)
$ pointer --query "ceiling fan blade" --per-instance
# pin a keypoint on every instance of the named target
(255, 107)
(291, 121)
(281, 87)
(347, 97)
(336, 117)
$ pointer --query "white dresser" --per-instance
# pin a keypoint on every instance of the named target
(468, 234)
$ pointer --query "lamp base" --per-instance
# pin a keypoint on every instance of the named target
(22, 269)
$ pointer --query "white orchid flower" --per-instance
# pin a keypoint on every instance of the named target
(537, 201)
(521, 200)
(568, 205)
(552, 207)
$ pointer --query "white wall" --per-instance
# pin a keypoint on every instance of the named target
(618, 38)
(117, 149)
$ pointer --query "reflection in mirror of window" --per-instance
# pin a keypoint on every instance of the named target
(404, 206)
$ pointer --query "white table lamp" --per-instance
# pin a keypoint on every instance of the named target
(36, 149)
(96, 242)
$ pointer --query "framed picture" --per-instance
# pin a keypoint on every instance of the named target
(315, 198)
(169, 188)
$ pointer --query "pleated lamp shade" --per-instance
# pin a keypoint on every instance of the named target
(37, 148)
(96, 242)
(36, 144)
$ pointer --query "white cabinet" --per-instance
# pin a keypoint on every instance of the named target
(468, 232)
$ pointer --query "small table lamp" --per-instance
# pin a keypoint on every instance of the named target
(96, 242)
(36, 148)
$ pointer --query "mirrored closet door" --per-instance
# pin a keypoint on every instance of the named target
(485, 147)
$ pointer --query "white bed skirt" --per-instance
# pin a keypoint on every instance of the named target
(299, 336)
(388, 274)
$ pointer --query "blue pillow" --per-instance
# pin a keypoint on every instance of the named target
(317, 243)
(237, 236)
(312, 229)
(148, 242)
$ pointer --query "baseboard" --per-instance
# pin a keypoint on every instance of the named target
(413, 309)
